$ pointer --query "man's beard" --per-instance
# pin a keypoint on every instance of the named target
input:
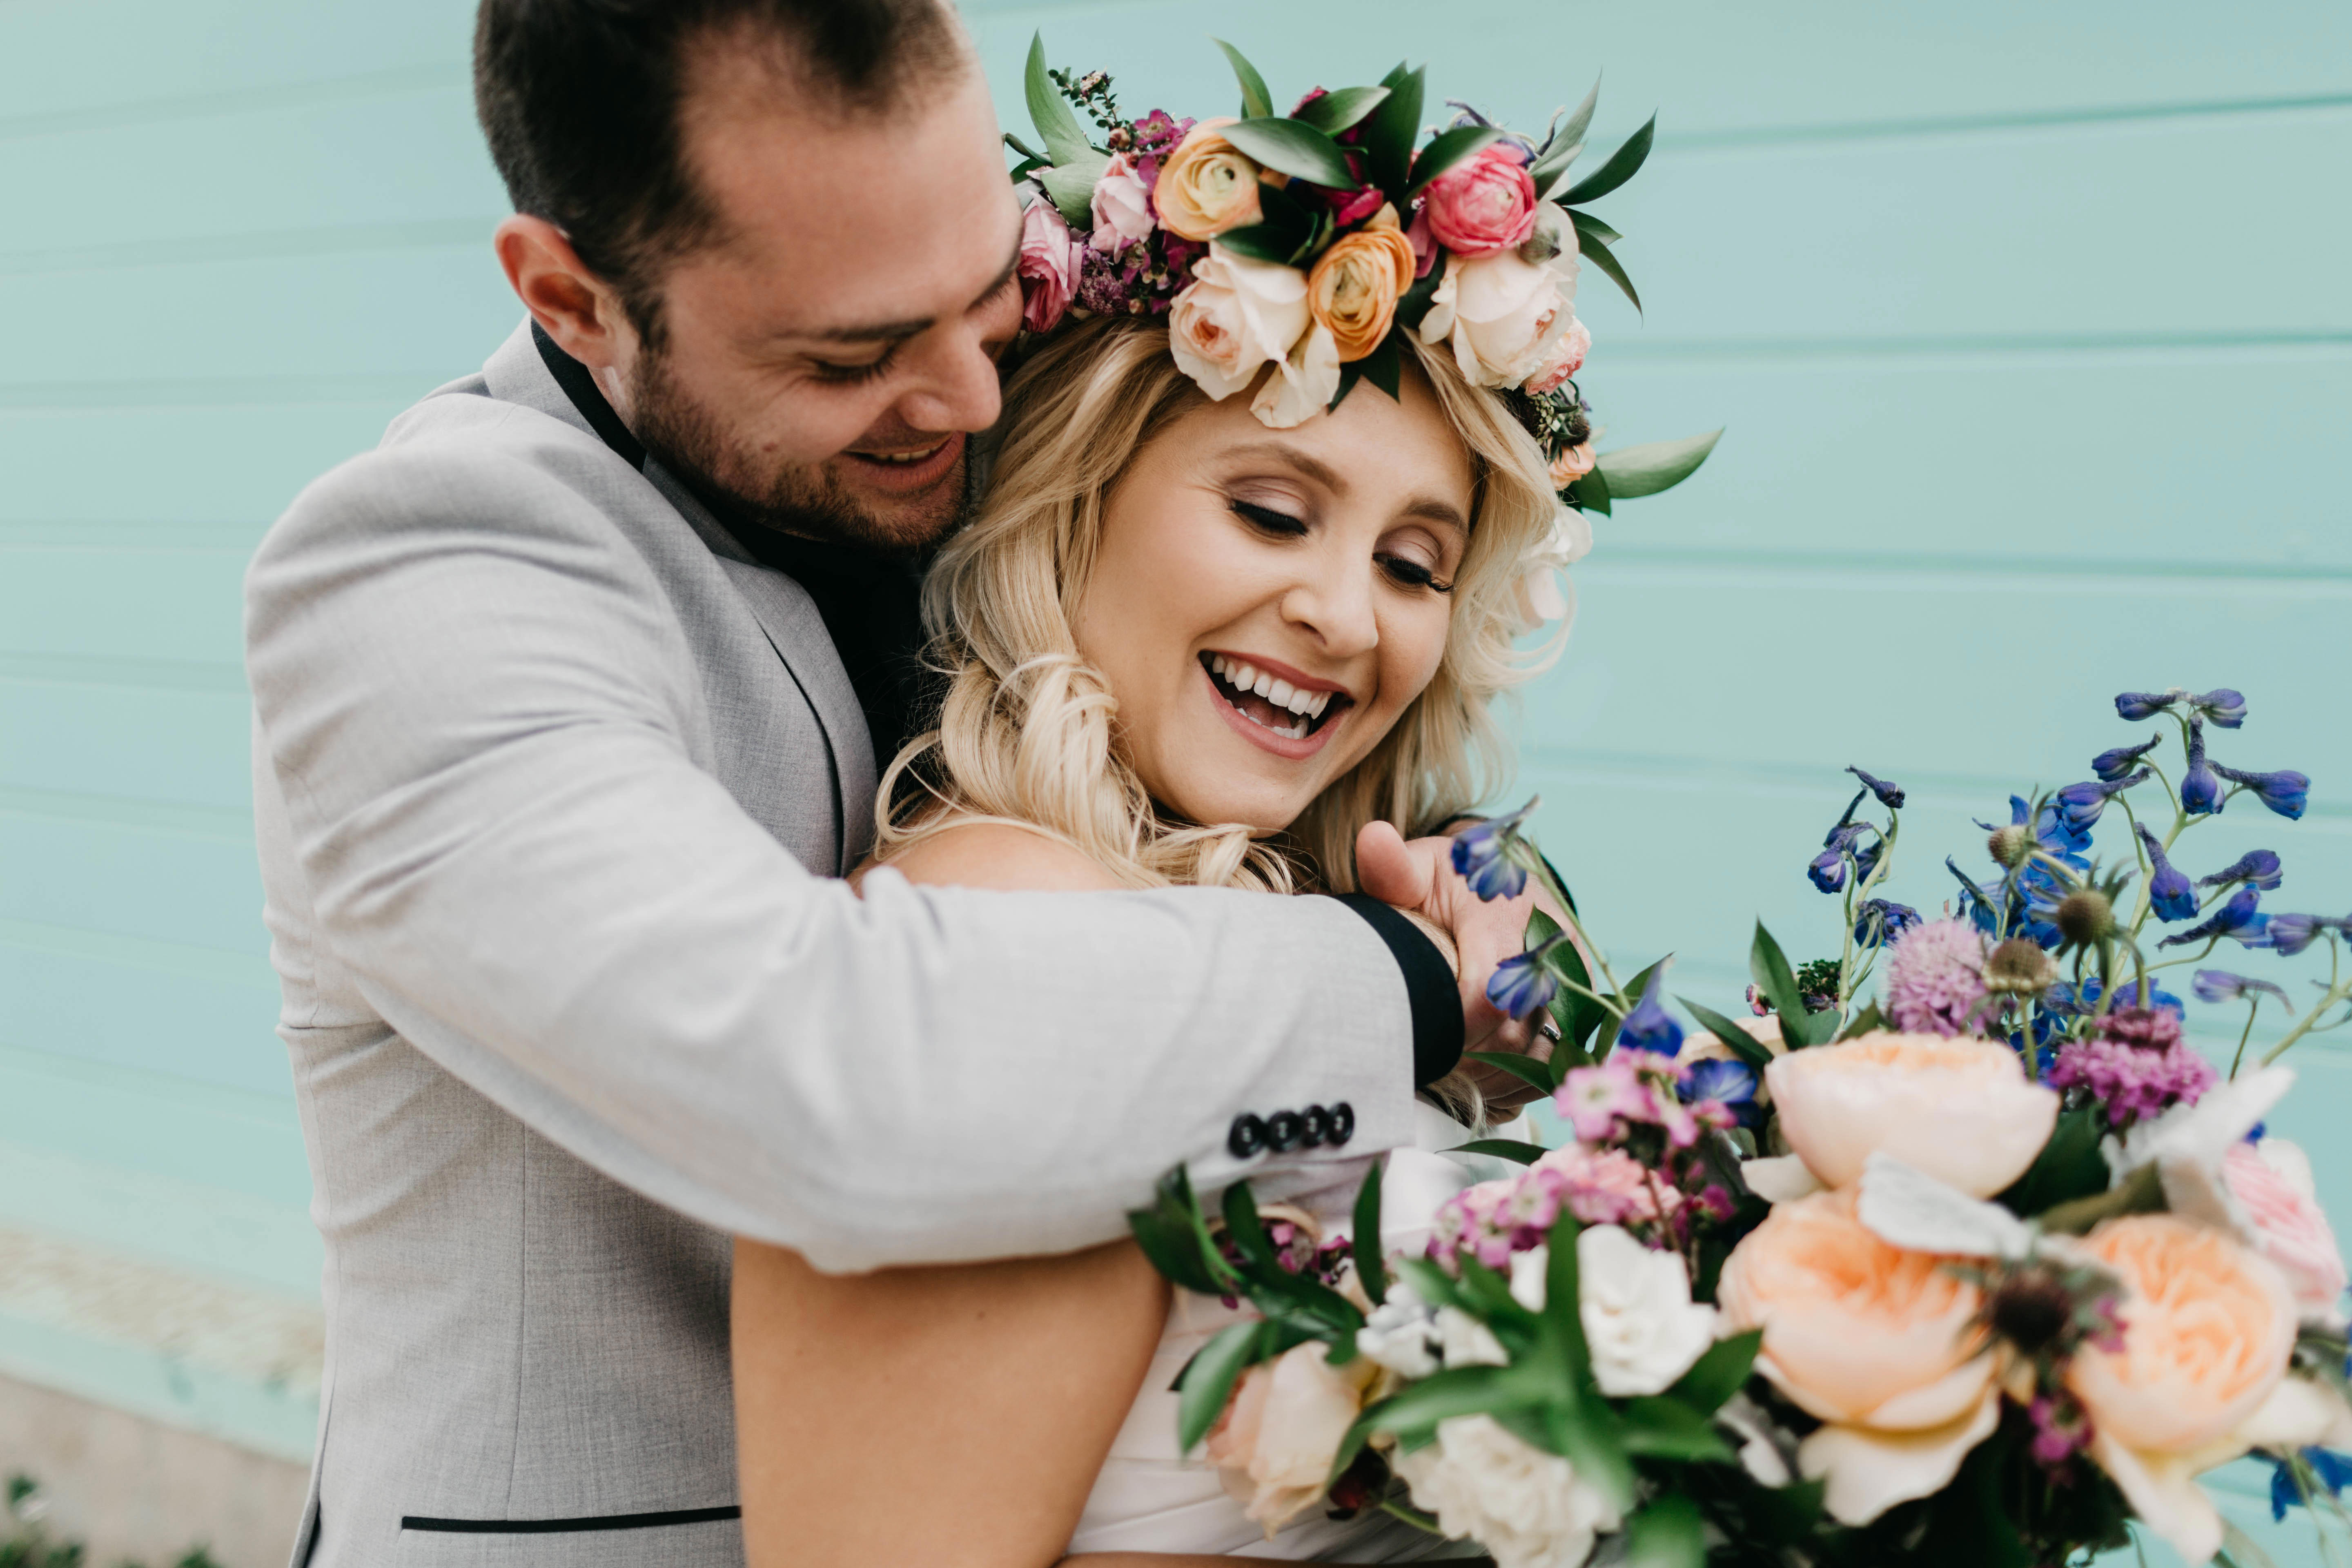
(807, 499)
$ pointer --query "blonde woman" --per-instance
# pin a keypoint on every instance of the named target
(1185, 649)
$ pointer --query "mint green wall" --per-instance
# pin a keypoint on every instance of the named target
(2027, 322)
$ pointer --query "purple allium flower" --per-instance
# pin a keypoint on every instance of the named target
(2241, 918)
(2258, 867)
(1520, 984)
(1649, 1027)
(2225, 707)
(2079, 804)
(1935, 978)
(2169, 893)
(1881, 920)
(2220, 985)
(2137, 1066)
(1889, 795)
(1480, 855)
(2138, 705)
(2113, 765)
(2286, 793)
(2201, 787)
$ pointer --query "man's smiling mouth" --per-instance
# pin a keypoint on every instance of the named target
(1270, 702)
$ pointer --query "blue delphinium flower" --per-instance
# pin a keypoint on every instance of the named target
(2286, 792)
(1520, 984)
(1828, 870)
(2170, 891)
(1481, 856)
(1731, 1084)
(1889, 795)
(1977, 899)
(2079, 804)
(2113, 765)
(1649, 1027)
(2238, 917)
(2330, 1472)
(2258, 867)
(2201, 787)
(2220, 985)
(2225, 707)
(2138, 705)
(1881, 921)
(2289, 934)
(2073, 1001)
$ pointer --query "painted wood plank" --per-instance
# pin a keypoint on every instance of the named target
(147, 603)
(1713, 67)
(106, 1000)
(142, 743)
(199, 889)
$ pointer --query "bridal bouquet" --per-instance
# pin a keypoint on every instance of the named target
(1947, 1249)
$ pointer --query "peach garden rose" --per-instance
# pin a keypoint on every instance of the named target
(1962, 1110)
(1354, 288)
(1206, 185)
(1876, 1342)
(1273, 1447)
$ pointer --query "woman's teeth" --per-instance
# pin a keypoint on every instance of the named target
(1241, 678)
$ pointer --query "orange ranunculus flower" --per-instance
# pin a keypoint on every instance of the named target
(2201, 1377)
(1876, 1341)
(1207, 185)
(1355, 285)
(1962, 1110)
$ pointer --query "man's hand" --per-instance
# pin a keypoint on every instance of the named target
(1419, 878)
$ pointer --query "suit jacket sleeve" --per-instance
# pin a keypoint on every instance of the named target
(482, 720)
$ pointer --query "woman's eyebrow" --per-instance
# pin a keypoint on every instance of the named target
(1308, 466)
(1433, 509)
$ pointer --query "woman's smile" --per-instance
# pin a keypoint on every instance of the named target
(1274, 706)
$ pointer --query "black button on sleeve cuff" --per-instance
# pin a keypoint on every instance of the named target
(1429, 985)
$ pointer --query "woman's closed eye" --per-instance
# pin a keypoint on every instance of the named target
(1408, 572)
(1266, 520)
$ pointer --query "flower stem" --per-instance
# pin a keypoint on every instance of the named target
(1532, 862)
(2253, 1006)
(2337, 990)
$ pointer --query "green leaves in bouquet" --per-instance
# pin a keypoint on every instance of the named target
(1668, 1533)
(1735, 1040)
(1550, 170)
(1576, 1016)
(1718, 1375)
(1870, 1018)
(1371, 1272)
(1628, 999)
(1502, 1148)
(1597, 252)
(1077, 165)
(1446, 149)
(1591, 492)
(1286, 232)
(2070, 1167)
(1621, 167)
(1390, 131)
(1256, 102)
(1340, 108)
(1175, 1239)
(1644, 471)
(1383, 367)
(1314, 1307)
(1295, 147)
(1208, 1379)
(1769, 966)
(1072, 186)
(1526, 1069)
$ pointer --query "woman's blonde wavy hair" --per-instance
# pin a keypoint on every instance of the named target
(1028, 732)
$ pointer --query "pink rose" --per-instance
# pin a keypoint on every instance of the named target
(2271, 1181)
(1568, 358)
(1275, 1444)
(1482, 205)
(1050, 255)
(1122, 207)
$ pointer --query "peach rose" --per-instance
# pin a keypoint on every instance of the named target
(1876, 1342)
(1567, 358)
(1207, 185)
(1354, 288)
(1236, 316)
(1573, 465)
(2272, 1182)
(2207, 1328)
(1962, 1110)
(1273, 1446)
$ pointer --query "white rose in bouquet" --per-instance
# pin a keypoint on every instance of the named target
(1526, 1507)
(1641, 1327)
(1504, 313)
(1235, 317)
(1273, 1446)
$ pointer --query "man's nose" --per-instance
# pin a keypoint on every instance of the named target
(958, 389)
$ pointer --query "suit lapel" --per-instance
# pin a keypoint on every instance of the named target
(518, 373)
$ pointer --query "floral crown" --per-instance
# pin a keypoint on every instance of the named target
(1311, 241)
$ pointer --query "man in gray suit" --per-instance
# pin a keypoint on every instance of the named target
(570, 700)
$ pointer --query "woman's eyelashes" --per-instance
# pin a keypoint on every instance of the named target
(1266, 520)
(1403, 570)
(1411, 573)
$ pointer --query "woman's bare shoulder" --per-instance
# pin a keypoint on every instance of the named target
(980, 853)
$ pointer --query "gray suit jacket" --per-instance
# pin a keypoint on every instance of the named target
(553, 786)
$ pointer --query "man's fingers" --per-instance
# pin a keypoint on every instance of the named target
(1394, 872)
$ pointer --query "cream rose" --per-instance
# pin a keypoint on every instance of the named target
(1302, 383)
(1529, 1509)
(2207, 1328)
(1643, 1329)
(1876, 1342)
(1273, 1446)
(1354, 288)
(1504, 313)
(1542, 593)
(1962, 1110)
(1236, 317)
(1207, 185)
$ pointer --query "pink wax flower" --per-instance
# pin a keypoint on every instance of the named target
(1594, 1098)
(2138, 1065)
(1051, 256)
(1482, 205)
(1935, 979)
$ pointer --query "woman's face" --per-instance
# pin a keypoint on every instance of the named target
(1265, 602)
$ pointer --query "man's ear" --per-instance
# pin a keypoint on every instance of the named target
(573, 306)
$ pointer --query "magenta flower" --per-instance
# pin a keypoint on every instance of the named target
(1935, 979)
(1593, 1098)
(2138, 1065)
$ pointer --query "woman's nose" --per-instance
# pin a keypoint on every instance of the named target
(1336, 603)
